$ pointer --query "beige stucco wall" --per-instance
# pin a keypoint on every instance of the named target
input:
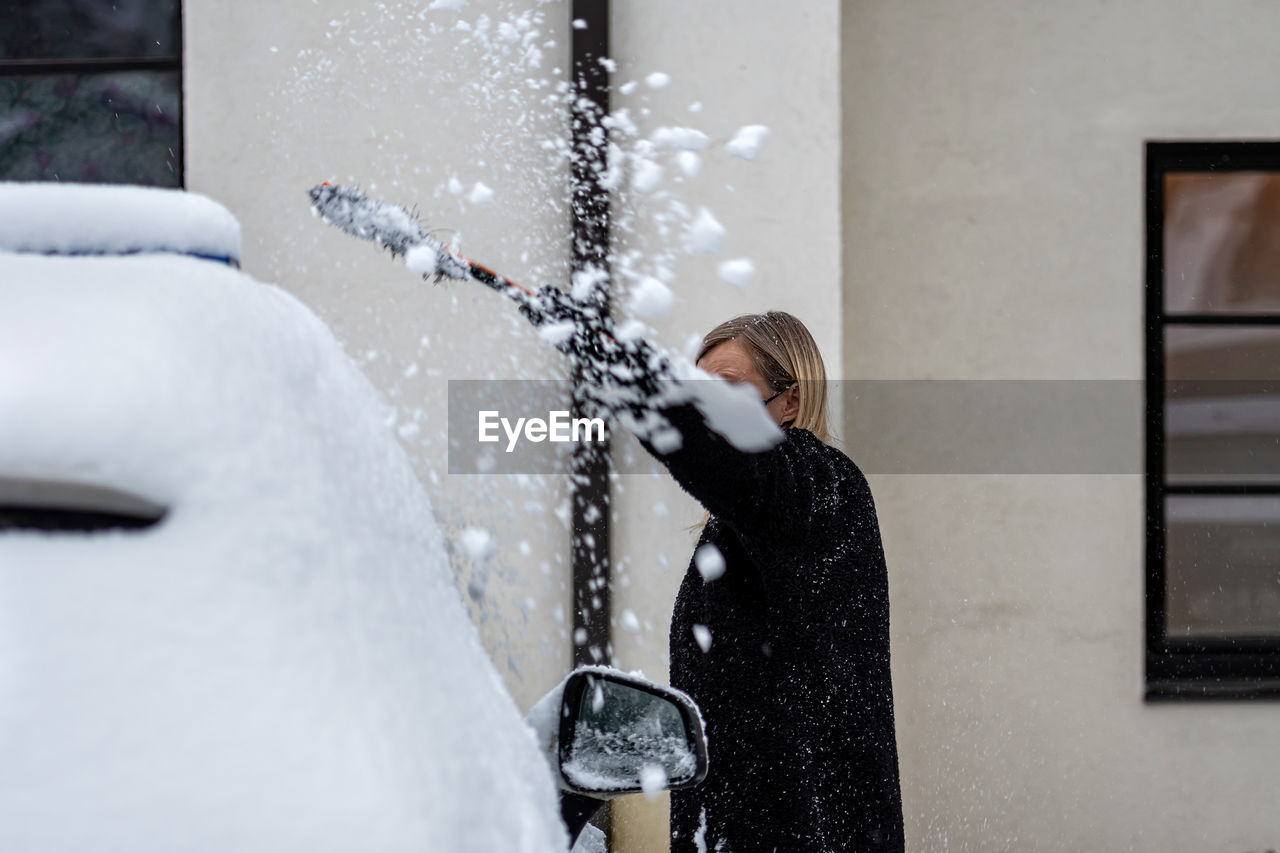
(993, 228)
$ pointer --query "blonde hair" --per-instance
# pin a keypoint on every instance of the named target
(784, 352)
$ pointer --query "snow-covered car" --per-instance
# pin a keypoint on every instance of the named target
(227, 621)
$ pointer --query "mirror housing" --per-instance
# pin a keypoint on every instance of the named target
(621, 734)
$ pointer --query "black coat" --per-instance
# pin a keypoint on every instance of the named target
(795, 685)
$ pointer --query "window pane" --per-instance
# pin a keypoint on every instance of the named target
(1223, 566)
(121, 127)
(1222, 404)
(84, 29)
(1222, 242)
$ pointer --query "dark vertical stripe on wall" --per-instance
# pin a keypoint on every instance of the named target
(589, 539)
(182, 93)
(589, 547)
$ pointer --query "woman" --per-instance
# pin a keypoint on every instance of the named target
(784, 640)
(787, 650)
(783, 636)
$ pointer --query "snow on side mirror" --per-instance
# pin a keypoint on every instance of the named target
(621, 735)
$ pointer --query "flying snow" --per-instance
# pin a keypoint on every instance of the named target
(650, 298)
(480, 193)
(477, 542)
(685, 138)
(705, 234)
(710, 562)
(630, 330)
(702, 634)
(747, 141)
(737, 271)
(653, 780)
(557, 333)
(658, 80)
(689, 164)
(646, 176)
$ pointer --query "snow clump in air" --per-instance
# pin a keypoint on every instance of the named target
(705, 234)
(646, 176)
(557, 333)
(737, 271)
(630, 330)
(653, 780)
(477, 542)
(651, 298)
(684, 138)
(747, 141)
(446, 5)
(710, 562)
(689, 164)
(422, 259)
(702, 634)
(480, 193)
(658, 80)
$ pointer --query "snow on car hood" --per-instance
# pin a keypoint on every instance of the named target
(283, 663)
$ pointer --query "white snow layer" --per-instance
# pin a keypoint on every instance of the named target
(747, 141)
(283, 663)
(737, 271)
(89, 219)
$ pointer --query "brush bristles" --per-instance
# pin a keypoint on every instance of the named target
(388, 225)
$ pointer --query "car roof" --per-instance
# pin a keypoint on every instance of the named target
(103, 219)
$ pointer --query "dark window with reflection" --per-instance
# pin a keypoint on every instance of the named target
(91, 91)
(1213, 414)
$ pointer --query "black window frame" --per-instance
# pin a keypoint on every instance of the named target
(102, 65)
(1212, 667)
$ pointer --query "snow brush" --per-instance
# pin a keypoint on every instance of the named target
(398, 231)
(618, 375)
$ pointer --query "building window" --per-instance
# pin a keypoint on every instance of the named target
(1213, 418)
(91, 91)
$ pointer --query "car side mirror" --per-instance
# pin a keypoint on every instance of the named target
(623, 735)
